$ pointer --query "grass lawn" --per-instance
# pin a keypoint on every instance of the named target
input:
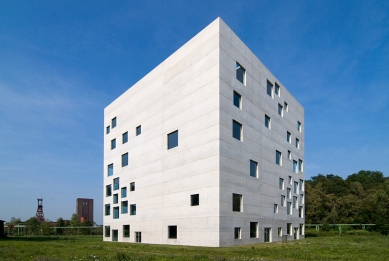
(350, 247)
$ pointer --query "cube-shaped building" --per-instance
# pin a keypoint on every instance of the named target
(207, 150)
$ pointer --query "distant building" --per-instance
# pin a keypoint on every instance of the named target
(2, 228)
(84, 209)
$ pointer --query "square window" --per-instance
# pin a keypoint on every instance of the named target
(237, 232)
(124, 192)
(236, 202)
(115, 198)
(253, 169)
(295, 166)
(295, 202)
(297, 143)
(286, 107)
(126, 230)
(299, 126)
(113, 144)
(267, 234)
(288, 137)
(172, 232)
(236, 130)
(113, 123)
(116, 184)
(289, 208)
(278, 158)
(138, 237)
(108, 129)
(132, 186)
(267, 122)
(108, 190)
(107, 209)
(194, 200)
(275, 208)
(124, 207)
(289, 193)
(289, 154)
(107, 231)
(270, 89)
(172, 140)
(110, 170)
(295, 188)
(280, 110)
(240, 73)
(281, 183)
(138, 130)
(125, 137)
(277, 90)
(280, 231)
(283, 200)
(124, 159)
(237, 100)
(133, 209)
(300, 165)
(116, 212)
(253, 229)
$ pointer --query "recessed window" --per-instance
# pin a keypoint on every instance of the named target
(267, 122)
(270, 89)
(110, 170)
(240, 73)
(301, 212)
(124, 206)
(277, 90)
(138, 130)
(301, 199)
(289, 154)
(301, 229)
(107, 231)
(125, 137)
(124, 192)
(132, 186)
(236, 202)
(253, 229)
(267, 234)
(297, 143)
(302, 185)
(275, 208)
(288, 137)
(300, 165)
(290, 180)
(237, 100)
(286, 107)
(253, 169)
(116, 184)
(113, 123)
(289, 193)
(107, 209)
(126, 230)
(278, 158)
(295, 166)
(280, 110)
(138, 237)
(115, 198)
(108, 190)
(194, 200)
(295, 188)
(133, 209)
(289, 208)
(124, 159)
(283, 200)
(172, 140)
(299, 126)
(237, 233)
(172, 232)
(295, 202)
(113, 144)
(289, 229)
(116, 212)
(280, 231)
(108, 129)
(236, 130)
(281, 183)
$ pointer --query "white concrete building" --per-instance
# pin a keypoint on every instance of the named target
(207, 149)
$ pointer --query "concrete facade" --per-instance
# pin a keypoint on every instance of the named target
(192, 92)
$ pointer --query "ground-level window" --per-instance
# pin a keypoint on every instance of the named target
(253, 229)
(237, 232)
(267, 234)
(280, 231)
(126, 230)
(107, 231)
(138, 237)
(289, 229)
(301, 229)
(172, 232)
(115, 234)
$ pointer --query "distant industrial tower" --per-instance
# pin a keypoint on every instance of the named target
(39, 212)
(84, 209)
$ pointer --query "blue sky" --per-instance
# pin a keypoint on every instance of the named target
(62, 62)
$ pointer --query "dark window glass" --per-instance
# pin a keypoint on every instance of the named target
(277, 89)
(116, 184)
(107, 209)
(281, 183)
(194, 200)
(267, 121)
(125, 137)
(253, 168)
(113, 123)
(240, 73)
(126, 230)
(288, 136)
(237, 99)
(138, 130)
(124, 159)
(124, 207)
(133, 209)
(278, 157)
(107, 231)
(108, 190)
(115, 198)
(172, 140)
(113, 144)
(172, 231)
(124, 192)
(108, 129)
(237, 232)
(280, 110)
(282, 201)
(138, 237)
(116, 212)
(132, 186)
(236, 130)
(110, 169)
(236, 202)
(300, 165)
(253, 229)
(267, 234)
(270, 89)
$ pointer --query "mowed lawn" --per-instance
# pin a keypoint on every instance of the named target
(351, 247)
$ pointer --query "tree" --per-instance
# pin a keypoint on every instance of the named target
(33, 225)
(14, 221)
(75, 221)
(60, 223)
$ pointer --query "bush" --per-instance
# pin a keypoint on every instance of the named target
(358, 232)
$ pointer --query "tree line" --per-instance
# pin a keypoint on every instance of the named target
(361, 198)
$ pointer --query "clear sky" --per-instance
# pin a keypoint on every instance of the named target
(63, 62)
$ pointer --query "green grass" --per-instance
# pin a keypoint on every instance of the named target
(88, 248)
